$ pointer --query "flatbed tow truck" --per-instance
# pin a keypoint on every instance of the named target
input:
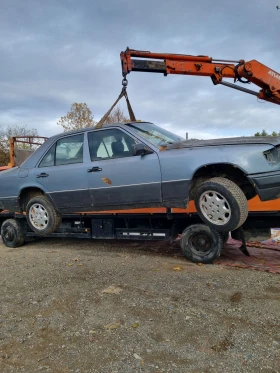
(199, 243)
(147, 224)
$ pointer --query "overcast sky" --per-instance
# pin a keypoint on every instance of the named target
(56, 52)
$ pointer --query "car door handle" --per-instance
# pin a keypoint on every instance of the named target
(43, 174)
(94, 169)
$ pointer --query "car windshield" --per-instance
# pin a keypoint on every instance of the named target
(154, 134)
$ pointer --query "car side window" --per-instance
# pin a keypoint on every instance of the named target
(67, 150)
(111, 143)
(48, 159)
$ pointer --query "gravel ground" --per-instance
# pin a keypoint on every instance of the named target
(85, 306)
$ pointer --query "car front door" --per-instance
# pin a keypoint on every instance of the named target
(64, 175)
(117, 178)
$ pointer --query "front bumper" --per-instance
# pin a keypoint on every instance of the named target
(267, 185)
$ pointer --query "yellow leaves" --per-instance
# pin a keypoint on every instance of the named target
(80, 116)
(177, 269)
(113, 325)
(112, 290)
(135, 325)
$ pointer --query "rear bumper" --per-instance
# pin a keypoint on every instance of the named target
(267, 185)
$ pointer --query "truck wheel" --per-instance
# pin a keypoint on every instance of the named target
(41, 215)
(12, 233)
(221, 204)
(201, 244)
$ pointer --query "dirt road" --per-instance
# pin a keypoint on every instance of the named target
(83, 306)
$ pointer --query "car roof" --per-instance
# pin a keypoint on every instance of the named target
(95, 129)
(33, 159)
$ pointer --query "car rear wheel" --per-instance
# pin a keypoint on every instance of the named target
(41, 216)
(201, 244)
(12, 233)
(221, 204)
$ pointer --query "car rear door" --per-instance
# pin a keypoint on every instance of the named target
(116, 178)
(63, 174)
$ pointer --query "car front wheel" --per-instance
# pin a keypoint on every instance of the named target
(41, 215)
(221, 204)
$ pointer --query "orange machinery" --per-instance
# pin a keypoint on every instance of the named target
(29, 140)
(240, 71)
(243, 72)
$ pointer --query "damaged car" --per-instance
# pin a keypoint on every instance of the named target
(136, 165)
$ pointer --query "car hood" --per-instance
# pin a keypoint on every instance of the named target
(270, 140)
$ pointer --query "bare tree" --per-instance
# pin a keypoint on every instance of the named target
(11, 131)
(117, 116)
(79, 116)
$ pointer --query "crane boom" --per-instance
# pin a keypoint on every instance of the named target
(244, 72)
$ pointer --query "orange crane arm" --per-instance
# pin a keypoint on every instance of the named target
(244, 72)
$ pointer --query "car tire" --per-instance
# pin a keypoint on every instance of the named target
(201, 244)
(221, 204)
(41, 215)
(12, 233)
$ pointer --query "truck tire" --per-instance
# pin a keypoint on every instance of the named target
(221, 204)
(12, 233)
(41, 215)
(201, 244)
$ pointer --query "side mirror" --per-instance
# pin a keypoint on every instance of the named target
(141, 149)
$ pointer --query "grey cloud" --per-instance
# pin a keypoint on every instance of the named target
(57, 52)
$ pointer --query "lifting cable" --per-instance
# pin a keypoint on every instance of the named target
(129, 107)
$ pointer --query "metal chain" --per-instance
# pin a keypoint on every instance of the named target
(124, 82)
(122, 94)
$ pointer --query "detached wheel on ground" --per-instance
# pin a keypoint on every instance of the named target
(41, 216)
(201, 244)
(12, 233)
(221, 204)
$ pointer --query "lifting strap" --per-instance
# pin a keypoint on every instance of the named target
(129, 108)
